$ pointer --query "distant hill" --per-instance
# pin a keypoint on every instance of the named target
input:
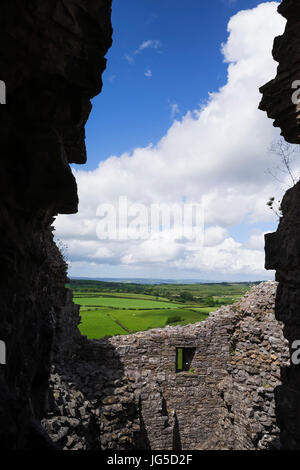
(155, 281)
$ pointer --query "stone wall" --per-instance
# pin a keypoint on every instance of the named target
(125, 393)
(282, 247)
(277, 94)
(51, 60)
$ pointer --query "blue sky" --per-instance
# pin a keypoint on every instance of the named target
(178, 120)
(134, 110)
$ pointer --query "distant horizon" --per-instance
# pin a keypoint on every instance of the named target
(176, 126)
(165, 280)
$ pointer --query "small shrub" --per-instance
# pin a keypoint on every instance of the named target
(174, 319)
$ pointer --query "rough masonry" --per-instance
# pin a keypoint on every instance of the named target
(119, 393)
(283, 247)
(124, 392)
(51, 61)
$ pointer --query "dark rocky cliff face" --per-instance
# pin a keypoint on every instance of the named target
(51, 60)
(283, 247)
(277, 94)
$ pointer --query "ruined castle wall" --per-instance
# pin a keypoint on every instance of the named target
(282, 247)
(51, 61)
(136, 400)
(189, 401)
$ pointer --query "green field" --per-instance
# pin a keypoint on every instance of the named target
(97, 323)
(105, 322)
(109, 309)
(204, 310)
(115, 302)
(119, 295)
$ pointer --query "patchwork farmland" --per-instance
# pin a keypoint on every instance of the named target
(109, 309)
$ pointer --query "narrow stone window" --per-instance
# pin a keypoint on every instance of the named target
(184, 358)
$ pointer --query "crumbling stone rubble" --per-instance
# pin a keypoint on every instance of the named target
(52, 55)
(281, 102)
(124, 392)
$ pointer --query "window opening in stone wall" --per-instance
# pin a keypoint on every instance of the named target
(184, 358)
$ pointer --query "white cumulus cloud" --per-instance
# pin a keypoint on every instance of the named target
(216, 155)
